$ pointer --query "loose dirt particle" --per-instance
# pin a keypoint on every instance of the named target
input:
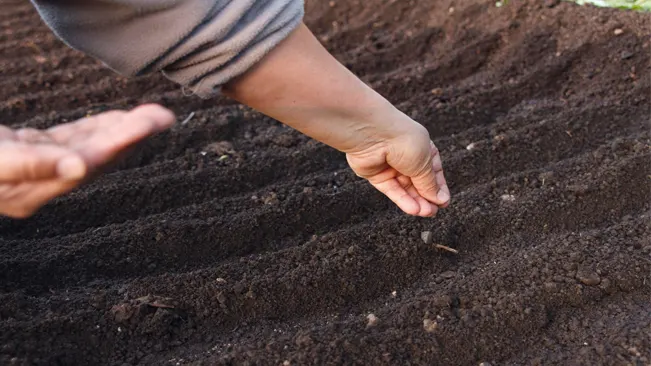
(625, 55)
(448, 274)
(372, 320)
(221, 148)
(508, 198)
(587, 276)
(429, 325)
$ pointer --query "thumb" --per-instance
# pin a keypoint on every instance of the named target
(430, 183)
(20, 161)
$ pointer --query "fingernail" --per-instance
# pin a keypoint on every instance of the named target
(71, 167)
(443, 196)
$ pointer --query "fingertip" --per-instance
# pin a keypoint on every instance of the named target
(443, 196)
(71, 168)
(162, 116)
(409, 206)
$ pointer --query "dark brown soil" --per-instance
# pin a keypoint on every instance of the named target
(265, 249)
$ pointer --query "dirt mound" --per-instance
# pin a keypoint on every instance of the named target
(232, 239)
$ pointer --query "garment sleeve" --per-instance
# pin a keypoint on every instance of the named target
(200, 44)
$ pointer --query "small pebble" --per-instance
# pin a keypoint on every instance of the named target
(372, 320)
(508, 197)
(588, 277)
(448, 274)
(427, 237)
(471, 146)
(618, 31)
(626, 55)
(429, 325)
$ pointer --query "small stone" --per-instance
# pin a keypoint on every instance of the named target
(442, 301)
(372, 320)
(394, 294)
(471, 146)
(286, 363)
(485, 364)
(618, 31)
(578, 189)
(550, 286)
(427, 237)
(221, 148)
(626, 55)
(606, 285)
(429, 325)
(437, 91)
(588, 277)
(508, 198)
(448, 274)
(271, 199)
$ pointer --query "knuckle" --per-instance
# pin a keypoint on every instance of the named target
(30, 169)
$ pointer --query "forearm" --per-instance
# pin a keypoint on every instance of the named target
(302, 85)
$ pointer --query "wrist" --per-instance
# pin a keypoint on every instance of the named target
(376, 122)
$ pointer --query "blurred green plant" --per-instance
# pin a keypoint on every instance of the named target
(639, 5)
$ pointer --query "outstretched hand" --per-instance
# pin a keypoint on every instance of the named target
(39, 165)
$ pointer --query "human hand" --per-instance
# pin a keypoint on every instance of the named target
(39, 165)
(407, 168)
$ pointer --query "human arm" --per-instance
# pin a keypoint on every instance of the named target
(260, 53)
(302, 85)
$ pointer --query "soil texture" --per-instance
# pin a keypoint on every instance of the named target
(234, 240)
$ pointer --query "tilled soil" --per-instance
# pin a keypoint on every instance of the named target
(232, 239)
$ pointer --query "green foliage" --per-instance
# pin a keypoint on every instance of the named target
(639, 5)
